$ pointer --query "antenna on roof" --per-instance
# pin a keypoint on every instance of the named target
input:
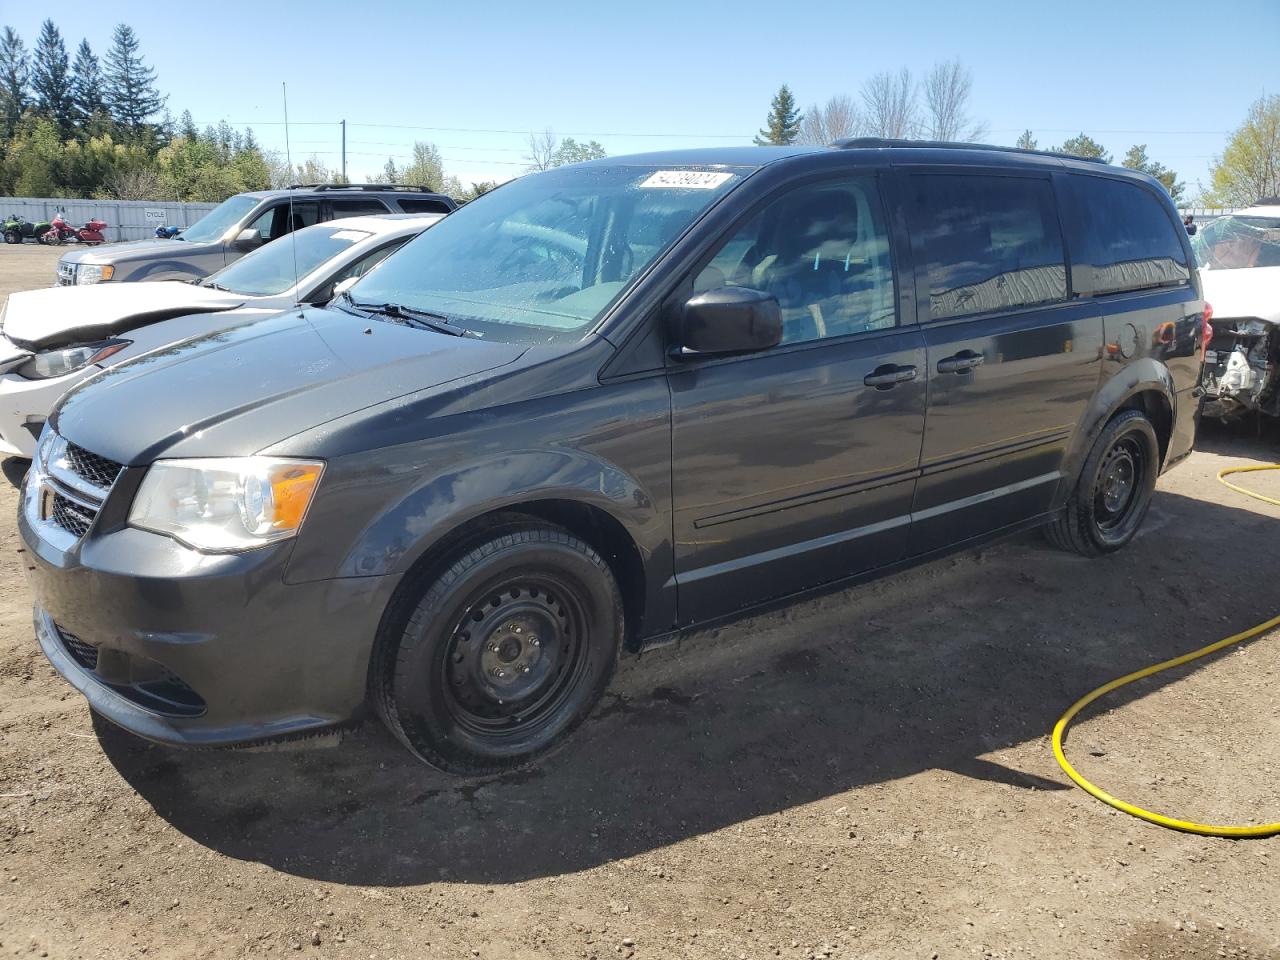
(293, 234)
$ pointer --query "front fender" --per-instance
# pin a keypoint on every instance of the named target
(1137, 376)
(411, 527)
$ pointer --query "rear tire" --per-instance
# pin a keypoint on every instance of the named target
(1113, 491)
(504, 654)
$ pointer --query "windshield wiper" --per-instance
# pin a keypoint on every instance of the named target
(422, 319)
(215, 286)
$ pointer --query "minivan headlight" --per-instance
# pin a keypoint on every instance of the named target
(58, 363)
(94, 273)
(223, 505)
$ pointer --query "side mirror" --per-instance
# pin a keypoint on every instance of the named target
(728, 320)
(247, 240)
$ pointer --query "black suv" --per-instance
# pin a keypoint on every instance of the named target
(598, 406)
(240, 224)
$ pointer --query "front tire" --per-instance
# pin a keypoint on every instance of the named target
(1113, 491)
(12, 236)
(505, 653)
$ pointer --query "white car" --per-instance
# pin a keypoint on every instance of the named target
(54, 338)
(1239, 260)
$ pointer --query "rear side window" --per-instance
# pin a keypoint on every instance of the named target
(989, 243)
(1128, 240)
(358, 208)
(419, 205)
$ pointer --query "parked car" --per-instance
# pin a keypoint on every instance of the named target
(238, 225)
(599, 406)
(1239, 258)
(52, 339)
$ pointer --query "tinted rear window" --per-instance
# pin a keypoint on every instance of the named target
(990, 243)
(1128, 242)
(358, 208)
(418, 205)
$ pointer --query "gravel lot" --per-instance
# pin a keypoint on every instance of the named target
(865, 775)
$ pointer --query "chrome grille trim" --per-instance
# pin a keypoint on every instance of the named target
(59, 503)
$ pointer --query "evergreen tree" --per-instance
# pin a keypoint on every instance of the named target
(1026, 141)
(13, 80)
(130, 87)
(1085, 146)
(50, 78)
(782, 126)
(1137, 159)
(86, 86)
(187, 126)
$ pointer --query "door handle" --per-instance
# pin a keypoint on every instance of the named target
(885, 376)
(962, 362)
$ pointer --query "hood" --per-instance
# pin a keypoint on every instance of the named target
(53, 316)
(127, 250)
(235, 392)
(1245, 292)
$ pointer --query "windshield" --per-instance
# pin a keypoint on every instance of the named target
(1234, 242)
(218, 220)
(543, 257)
(275, 268)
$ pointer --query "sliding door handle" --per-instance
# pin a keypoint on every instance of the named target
(962, 362)
(886, 376)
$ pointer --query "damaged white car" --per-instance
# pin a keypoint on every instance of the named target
(52, 339)
(1239, 260)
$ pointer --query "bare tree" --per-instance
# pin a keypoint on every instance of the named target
(835, 120)
(542, 150)
(947, 89)
(138, 183)
(891, 105)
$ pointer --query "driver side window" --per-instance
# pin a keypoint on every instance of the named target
(823, 251)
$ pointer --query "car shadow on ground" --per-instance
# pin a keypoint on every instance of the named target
(934, 668)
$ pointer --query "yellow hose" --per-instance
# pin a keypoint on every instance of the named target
(1060, 728)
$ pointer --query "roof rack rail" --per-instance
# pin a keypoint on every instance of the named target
(865, 143)
(360, 186)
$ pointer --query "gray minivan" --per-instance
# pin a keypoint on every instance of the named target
(598, 407)
(240, 224)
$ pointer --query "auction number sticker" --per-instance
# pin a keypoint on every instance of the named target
(685, 180)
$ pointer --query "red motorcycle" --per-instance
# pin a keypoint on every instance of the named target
(62, 232)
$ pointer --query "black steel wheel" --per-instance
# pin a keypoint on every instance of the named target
(504, 654)
(1113, 491)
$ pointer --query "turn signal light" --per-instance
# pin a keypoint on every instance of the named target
(1207, 335)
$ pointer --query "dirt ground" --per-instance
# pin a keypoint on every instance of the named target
(863, 775)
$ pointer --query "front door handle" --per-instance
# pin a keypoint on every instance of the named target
(962, 362)
(887, 375)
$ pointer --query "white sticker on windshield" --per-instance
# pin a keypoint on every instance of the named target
(685, 180)
(355, 236)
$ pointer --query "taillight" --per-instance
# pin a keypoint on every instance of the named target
(1207, 334)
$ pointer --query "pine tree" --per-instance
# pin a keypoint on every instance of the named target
(783, 123)
(1085, 146)
(13, 80)
(1026, 141)
(130, 88)
(50, 79)
(187, 127)
(86, 86)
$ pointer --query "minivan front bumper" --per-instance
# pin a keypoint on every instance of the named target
(198, 650)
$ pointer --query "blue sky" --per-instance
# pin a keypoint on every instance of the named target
(474, 78)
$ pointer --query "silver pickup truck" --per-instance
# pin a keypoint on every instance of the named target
(238, 225)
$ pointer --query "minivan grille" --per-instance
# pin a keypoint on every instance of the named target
(85, 654)
(91, 468)
(71, 516)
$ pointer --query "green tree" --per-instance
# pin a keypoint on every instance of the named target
(1249, 168)
(570, 151)
(187, 126)
(1083, 145)
(129, 86)
(478, 189)
(1026, 141)
(782, 126)
(390, 172)
(426, 169)
(87, 107)
(51, 79)
(1137, 159)
(13, 80)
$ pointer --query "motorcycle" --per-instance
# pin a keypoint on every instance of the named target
(167, 233)
(17, 229)
(62, 232)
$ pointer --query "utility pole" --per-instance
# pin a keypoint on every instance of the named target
(344, 151)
